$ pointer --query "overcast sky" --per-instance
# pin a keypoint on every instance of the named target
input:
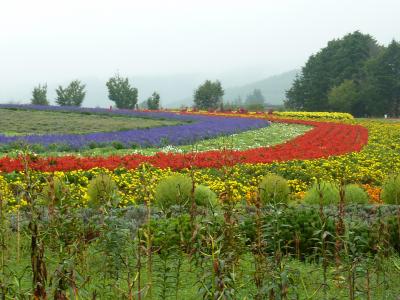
(49, 40)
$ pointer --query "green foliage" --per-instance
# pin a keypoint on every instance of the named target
(274, 189)
(255, 101)
(121, 92)
(167, 232)
(205, 197)
(330, 194)
(153, 103)
(173, 190)
(391, 190)
(382, 82)
(55, 190)
(342, 59)
(344, 97)
(208, 95)
(303, 222)
(353, 193)
(39, 95)
(102, 190)
(72, 95)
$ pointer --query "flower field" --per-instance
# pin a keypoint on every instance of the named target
(363, 167)
(309, 214)
(354, 151)
(198, 127)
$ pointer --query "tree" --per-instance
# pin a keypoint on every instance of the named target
(39, 95)
(208, 95)
(342, 59)
(72, 95)
(255, 100)
(344, 97)
(153, 103)
(121, 92)
(382, 82)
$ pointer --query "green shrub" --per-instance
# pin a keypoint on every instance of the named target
(274, 189)
(330, 194)
(353, 193)
(204, 196)
(102, 190)
(329, 191)
(173, 190)
(391, 190)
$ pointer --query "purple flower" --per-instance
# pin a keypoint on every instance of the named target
(200, 127)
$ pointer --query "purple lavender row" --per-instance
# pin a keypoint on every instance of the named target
(200, 128)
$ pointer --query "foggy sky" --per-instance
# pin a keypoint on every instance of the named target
(50, 41)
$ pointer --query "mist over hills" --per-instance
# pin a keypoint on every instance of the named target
(273, 88)
(175, 90)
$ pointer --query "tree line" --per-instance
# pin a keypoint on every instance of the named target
(352, 74)
(120, 92)
(207, 96)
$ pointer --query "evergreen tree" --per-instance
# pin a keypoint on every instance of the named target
(121, 92)
(343, 98)
(39, 95)
(208, 95)
(342, 59)
(382, 84)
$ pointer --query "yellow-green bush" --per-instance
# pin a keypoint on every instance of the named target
(331, 195)
(274, 189)
(102, 190)
(173, 190)
(391, 190)
(205, 197)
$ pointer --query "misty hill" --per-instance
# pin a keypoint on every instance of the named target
(175, 90)
(273, 88)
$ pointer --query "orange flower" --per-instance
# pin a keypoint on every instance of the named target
(373, 192)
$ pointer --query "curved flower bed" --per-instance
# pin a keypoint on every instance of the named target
(200, 127)
(326, 139)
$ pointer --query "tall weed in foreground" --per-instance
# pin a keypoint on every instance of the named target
(4, 233)
(64, 237)
(274, 192)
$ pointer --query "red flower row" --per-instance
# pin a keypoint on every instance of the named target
(324, 140)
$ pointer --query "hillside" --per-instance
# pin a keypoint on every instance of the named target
(273, 88)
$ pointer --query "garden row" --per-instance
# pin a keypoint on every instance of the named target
(197, 127)
(324, 140)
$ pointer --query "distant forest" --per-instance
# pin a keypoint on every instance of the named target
(352, 74)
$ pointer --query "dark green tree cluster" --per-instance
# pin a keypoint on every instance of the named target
(121, 92)
(39, 95)
(208, 95)
(72, 95)
(153, 102)
(352, 74)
